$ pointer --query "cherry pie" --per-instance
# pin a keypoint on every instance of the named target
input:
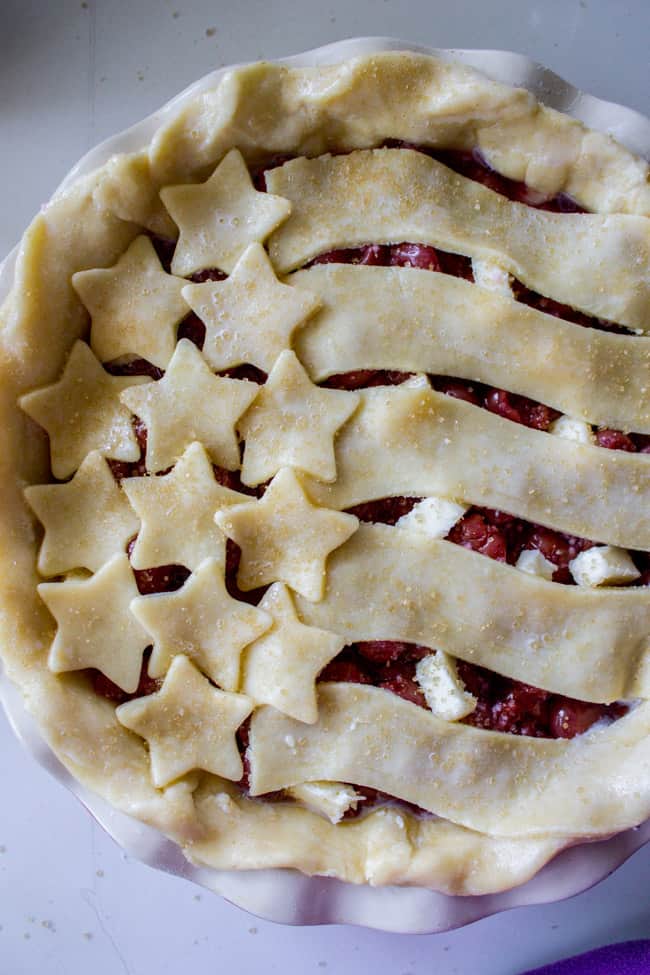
(325, 488)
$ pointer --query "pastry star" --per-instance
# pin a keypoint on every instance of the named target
(82, 412)
(281, 667)
(219, 218)
(190, 403)
(251, 316)
(96, 627)
(203, 621)
(134, 306)
(284, 537)
(292, 423)
(87, 520)
(189, 724)
(177, 512)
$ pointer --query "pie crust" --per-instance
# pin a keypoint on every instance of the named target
(499, 806)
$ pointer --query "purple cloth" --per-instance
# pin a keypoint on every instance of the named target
(628, 958)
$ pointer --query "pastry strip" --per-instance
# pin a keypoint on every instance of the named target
(390, 195)
(393, 584)
(401, 318)
(504, 785)
(410, 440)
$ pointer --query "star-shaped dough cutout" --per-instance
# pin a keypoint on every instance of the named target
(96, 626)
(134, 306)
(177, 513)
(190, 403)
(82, 411)
(292, 423)
(87, 520)
(280, 668)
(251, 316)
(284, 537)
(219, 218)
(203, 621)
(189, 724)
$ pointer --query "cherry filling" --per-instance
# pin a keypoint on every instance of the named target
(138, 468)
(501, 536)
(510, 706)
(161, 578)
(534, 300)
(246, 371)
(387, 511)
(192, 328)
(510, 406)
(106, 688)
(406, 254)
(133, 367)
(364, 378)
(503, 704)
(428, 258)
(233, 558)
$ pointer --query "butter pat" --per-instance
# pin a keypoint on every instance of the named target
(492, 277)
(571, 429)
(603, 565)
(443, 690)
(533, 562)
(433, 516)
(329, 799)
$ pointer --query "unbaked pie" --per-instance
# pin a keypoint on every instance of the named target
(326, 491)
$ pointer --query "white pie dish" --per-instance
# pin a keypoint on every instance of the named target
(286, 899)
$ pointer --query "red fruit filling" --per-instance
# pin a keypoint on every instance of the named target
(615, 440)
(138, 468)
(422, 256)
(372, 254)
(161, 578)
(106, 688)
(192, 328)
(503, 537)
(387, 510)
(233, 558)
(503, 704)
(510, 406)
(498, 535)
(133, 367)
(364, 378)
(558, 310)
(207, 274)
(164, 248)
(246, 371)
(415, 255)
(428, 258)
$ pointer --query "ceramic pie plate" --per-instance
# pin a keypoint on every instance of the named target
(287, 896)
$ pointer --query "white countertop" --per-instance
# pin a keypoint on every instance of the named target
(71, 74)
